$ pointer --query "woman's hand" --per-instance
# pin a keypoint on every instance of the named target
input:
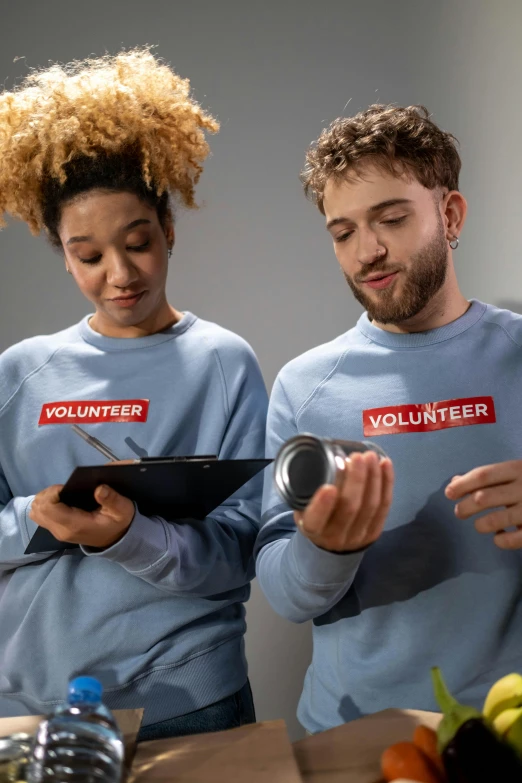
(100, 528)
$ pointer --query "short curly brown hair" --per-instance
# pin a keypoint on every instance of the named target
(398, 139)
(122, 122)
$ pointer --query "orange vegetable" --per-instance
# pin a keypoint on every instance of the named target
(426, 739)
(406, 760)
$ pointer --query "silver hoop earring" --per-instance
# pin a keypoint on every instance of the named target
(454, 243)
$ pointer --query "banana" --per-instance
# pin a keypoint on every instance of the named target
(505, 694)
(514, 735)
(506, 719)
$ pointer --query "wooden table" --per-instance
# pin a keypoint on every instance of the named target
(351, 753)
(259, 753)
(262, 753)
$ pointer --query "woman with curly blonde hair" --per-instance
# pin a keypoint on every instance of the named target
(91, 154)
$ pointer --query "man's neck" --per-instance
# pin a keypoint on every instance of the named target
(445, 307)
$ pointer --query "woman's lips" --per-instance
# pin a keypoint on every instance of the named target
(128, 301)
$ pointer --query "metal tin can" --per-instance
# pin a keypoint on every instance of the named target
(15, 751)
(306, 462)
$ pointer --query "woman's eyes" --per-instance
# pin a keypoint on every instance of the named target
(139, 248)
(133, 248)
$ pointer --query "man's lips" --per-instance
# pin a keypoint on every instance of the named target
(381, 281)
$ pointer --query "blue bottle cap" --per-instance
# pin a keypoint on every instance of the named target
(85, 690)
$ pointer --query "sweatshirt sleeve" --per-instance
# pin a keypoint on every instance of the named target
(300, 580)
(16, 529)
(215, 555)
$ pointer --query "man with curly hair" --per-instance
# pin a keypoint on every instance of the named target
(92, 153)
(390, 570)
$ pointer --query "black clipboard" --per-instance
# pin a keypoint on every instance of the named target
(170, 487)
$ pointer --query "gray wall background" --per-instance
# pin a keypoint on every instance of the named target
(255, 257)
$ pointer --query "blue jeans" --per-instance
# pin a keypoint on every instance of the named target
(230, 712)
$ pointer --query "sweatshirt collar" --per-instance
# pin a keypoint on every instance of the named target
(419, 339)
(133, 343)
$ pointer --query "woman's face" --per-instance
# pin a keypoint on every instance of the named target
(117, 252)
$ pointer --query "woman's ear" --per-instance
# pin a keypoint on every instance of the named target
(170, 234)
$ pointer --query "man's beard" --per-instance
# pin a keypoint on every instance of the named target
(424, 279)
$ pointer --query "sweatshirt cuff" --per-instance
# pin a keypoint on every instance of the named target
(319, 567)
(144, 544)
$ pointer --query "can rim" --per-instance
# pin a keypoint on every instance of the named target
(283, 459)
(14, 746)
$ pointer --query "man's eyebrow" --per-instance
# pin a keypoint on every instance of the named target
(392, 202)
(133, 224)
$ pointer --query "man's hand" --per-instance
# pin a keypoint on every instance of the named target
(492, 486)
(350, 517)
(100, 528)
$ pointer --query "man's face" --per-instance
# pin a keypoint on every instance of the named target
(389, 239)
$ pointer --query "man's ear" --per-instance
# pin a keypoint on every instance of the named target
(455, 208)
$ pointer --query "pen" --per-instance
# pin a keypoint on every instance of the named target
(95, 443)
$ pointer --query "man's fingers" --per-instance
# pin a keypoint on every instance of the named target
(352, 490)
(509, 540)
(498, 521)
(492, 497)
(372, 494)
(374, 515)
(368, 501)
(352, 516)
(349, 498)
(480, 478)
(315, 516)
(387, 481)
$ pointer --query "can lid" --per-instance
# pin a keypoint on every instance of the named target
(85, 690)
(14, 746)
(302, 466)
(306, 470)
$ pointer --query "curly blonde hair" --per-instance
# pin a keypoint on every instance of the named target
(125, 121)
(396, 138)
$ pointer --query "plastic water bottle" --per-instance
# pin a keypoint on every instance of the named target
(80, 742)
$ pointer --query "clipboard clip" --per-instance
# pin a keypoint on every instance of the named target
(101, 447)
(194, 458)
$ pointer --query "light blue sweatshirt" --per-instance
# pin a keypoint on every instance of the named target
(431, 590)
(159, 616)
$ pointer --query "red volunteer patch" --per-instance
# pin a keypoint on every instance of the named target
(429, 416)
(93, 411)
